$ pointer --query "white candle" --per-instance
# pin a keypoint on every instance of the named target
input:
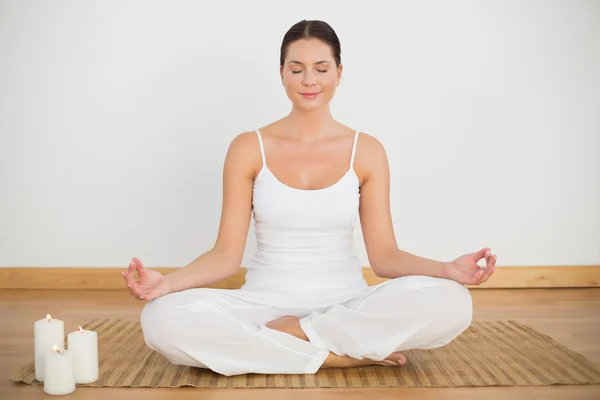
(47, 332)
(58, 372)
(83, 345)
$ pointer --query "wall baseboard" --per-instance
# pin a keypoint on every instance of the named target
(110, 278)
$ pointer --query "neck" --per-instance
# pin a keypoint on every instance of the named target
(310, 125)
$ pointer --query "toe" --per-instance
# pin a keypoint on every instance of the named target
(397, 358)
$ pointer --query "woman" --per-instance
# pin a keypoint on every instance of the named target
(305, 305)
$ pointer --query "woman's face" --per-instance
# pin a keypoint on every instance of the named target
(309, 73)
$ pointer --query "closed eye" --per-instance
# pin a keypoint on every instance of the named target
(321, 71)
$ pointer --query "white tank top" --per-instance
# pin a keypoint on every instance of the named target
(305, 238)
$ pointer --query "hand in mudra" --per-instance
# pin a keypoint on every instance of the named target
(465, 269)
(149, 285)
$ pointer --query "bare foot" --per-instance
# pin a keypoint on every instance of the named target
(291, 325)
(395, 359)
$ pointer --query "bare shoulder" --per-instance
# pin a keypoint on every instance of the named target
(244, 141)
(370, 158)
(272, 129)
(244, 153)
(369, 145)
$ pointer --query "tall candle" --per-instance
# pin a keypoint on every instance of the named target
(58, 372)
(47, 332)
(83, 344)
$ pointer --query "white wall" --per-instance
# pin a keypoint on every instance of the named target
(115, 117)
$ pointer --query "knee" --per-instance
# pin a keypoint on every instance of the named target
(172, 318)
(161, 320)
(443, 299)
(153, 324)
(457, 304)
(449, 310)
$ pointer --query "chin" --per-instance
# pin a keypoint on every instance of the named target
(309, 107)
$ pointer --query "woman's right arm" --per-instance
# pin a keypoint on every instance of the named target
(225, 257)
(240, 168)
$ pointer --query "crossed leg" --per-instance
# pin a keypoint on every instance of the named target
(415, 312)
(291, 325)
(231, 334)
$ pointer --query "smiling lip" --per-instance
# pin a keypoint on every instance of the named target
(310, 95)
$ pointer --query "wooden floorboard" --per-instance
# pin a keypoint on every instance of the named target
(571, 316)
(565, 276)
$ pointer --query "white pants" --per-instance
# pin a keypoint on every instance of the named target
(224, 330)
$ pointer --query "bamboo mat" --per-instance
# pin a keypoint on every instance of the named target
(496, 353)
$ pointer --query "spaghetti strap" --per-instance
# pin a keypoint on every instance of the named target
(262, 149)
(353, 149)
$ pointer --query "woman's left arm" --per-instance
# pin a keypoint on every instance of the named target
(385, 258)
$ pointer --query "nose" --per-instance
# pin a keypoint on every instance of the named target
(309, 79)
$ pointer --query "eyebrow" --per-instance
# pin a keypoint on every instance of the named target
(298, 62)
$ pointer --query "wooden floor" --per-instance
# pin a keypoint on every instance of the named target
(571, 316)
